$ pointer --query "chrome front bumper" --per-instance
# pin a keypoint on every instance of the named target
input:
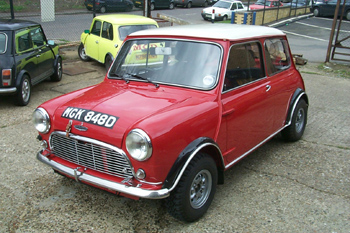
(83, 177)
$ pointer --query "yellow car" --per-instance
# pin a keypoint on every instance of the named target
(106, 34)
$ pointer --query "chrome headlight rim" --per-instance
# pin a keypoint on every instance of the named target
(139, 154)
(40, 114)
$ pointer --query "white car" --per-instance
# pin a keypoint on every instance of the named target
(222, 10)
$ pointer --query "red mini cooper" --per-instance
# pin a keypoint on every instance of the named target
(178, 107)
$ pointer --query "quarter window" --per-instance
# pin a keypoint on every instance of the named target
(277, 55)
(244, 65)
(3, 42)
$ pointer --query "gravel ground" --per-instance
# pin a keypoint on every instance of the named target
(281, 187)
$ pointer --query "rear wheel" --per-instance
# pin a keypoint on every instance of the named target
(103, 9)
(195, 191)
(205, 4)
(82, 54)
(152, 6)
(347, 15)
(24, 92)
(296, 129)
(171, 6)
(189, 4)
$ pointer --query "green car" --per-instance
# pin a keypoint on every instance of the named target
(106, 34)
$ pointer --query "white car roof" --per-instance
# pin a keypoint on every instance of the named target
(213, 31)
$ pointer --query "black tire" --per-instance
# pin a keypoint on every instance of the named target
(347, 15)
(152, 6)
(189, 5)
(82, 54)
(297, 127)
(205, 4)
(24, 91)
(108, 62)
(57, 76)
(171, 6)
(224, 18)
(195, 191)
(103, 9)
(316, 12)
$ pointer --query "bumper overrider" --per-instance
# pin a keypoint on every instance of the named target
(103, 183)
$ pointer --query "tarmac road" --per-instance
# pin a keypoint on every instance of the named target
(293, 187)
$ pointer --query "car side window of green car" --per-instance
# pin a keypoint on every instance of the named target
(37, 36)
(23, 40)
(107, 31)
(96, 28)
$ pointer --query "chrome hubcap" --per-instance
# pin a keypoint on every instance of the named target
(200, 189)
(299, 121)
(25, 90)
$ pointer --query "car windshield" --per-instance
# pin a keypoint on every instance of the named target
(222, 4)
(124, 31)
(261, 2)
(171, 62)
(3, 42)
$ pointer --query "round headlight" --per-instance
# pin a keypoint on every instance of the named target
(41, 120)
(139, 145)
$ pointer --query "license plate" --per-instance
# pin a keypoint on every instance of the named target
(143, 57)
(89, 5)
(137, 2)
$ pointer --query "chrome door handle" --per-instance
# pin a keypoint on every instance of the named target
(268, 87)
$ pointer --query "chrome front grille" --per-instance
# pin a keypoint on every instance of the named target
(91, 154)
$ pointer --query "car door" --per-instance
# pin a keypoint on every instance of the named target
(44, 54)
(245, 100)
(282, 79)
(26, 56)
(92, 41)
(109, 41)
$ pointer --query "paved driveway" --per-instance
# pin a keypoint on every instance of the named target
(282, 187)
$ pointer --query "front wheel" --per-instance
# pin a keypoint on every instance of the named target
(316, 12)
(224, 18)
(299, 118)
(195, 191)
(24, 92)
(108, 62)
(82, 54)
(347, 15)
(171, 6)
(189, 4)
(57, 76)
(152, 6)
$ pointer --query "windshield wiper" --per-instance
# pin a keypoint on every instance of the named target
(143, 78)
(122, 77)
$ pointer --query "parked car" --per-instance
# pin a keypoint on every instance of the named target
(298, 3)
(327, 8)
(222, 10)
(178, 107)
(261, 4)
(156, 4)
(109, 5)
(107, 33)
(190, 3)
(26, 58)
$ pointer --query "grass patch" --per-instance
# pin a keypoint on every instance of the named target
(5, 7)
(338, 70)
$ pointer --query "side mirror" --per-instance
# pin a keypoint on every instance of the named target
(87, 31)
(51, 42)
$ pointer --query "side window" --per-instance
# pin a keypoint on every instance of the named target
(96, 28)
(23, 41)
(244, 65)
(277, 55)
(240, 6)
(107, 31)
(37, 36)
(234, 6)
